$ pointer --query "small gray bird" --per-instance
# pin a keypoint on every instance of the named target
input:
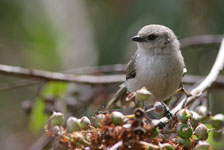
(157, 64)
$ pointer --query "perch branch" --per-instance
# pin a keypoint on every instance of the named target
(56, 76)
(91, 79)
(41, 75)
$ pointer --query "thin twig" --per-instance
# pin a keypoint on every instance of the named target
(92, 80)
(201, 40)
(205, 84)
(117, 68)
(56, 76)
(17, 84)
(82, 79)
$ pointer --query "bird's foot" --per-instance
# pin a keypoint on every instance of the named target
(167, 113)
(182, 89)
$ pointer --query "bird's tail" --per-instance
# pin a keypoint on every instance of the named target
(119, 94)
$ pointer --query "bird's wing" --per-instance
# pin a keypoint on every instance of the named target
(131, 67)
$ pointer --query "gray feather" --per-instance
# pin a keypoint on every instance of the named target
(131, 67)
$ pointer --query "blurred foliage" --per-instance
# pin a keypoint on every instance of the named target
(210, 140)
(26, 30)
(116, 21)
(37, 118)
(38, 115)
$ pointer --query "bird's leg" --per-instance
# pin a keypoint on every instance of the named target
(157, 111)
(182, 89)
(167, 113)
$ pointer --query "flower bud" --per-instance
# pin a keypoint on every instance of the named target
(155, 132)
(143, 94)
(202, 145)
(166, 146)
(139, 131)
(183, 115)
(195, 119)
(73, 124)
(201, 110)
(117, 118)
(217, 121)
(56, 130)
(185, 142)
(97, 120)
(85, 122)
(56, 119)
(79, 139)
(201, 132)
(217, 136)
(184, 131)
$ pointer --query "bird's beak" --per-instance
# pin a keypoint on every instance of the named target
(137, 38)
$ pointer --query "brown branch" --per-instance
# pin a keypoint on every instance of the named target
(118, 68)
(56, 76)
(106, 79)
(17, 84)
(205, 84)
(83, 79)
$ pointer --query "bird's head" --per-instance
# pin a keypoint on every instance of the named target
(153, 37)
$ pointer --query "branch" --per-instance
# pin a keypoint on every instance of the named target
(201, 40)
(17, 84)
(56, 76)
(102, 80)
(118, 68)
(205, 84)
(82, 79)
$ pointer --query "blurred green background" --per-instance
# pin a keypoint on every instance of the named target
(58, 35)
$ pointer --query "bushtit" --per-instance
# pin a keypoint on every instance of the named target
(157, 64)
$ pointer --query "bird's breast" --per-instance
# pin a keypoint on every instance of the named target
(161, 75)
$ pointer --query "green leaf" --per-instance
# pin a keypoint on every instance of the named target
(55, 89)
(210, 140)
(38, 117)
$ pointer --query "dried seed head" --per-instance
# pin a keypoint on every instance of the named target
(201, 132)
(195, 119)
(117, 118)
(97, 120)
(218, 121)
(56, 130)
(139, 130)
(202, 110)
(143, 94)
(73, 124)
(217, 136)
(139, 113)
(56, 119)
(183, 115)
(85, 122)
(184, 131)
(202, 145)
(159, 107)
(186, 142)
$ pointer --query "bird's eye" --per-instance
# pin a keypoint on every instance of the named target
(152, 37)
